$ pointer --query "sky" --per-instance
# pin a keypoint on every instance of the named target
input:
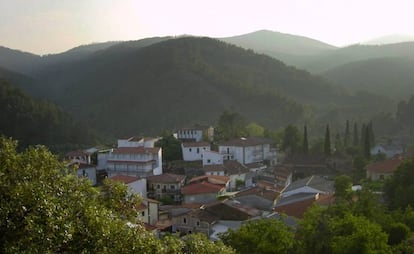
(54, 26)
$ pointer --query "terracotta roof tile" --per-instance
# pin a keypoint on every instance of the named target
(211, 179)
(124, 179)
(166, 178)
(387, 166)
(201, 188)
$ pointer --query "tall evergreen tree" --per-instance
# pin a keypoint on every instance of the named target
(305, 140)
(371, 134)
(363, 132)
(327, 146)
(338, 144)
(347, 135)
(356, 137)
(367, 143)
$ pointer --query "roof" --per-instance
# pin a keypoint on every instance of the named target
(387, 166)
(196, 144)
(243, 142)
(166, 178)
(315, 182)
(201, 188)
(204, 215)
(232, 210)
(298, 207)
(223, 180)
(124, 179)
(136, 150)
(229, 167)
(259, 192)
(77, 153)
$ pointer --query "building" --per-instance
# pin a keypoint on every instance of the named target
(240, 176)
(248, 150)
(214, 179)
(381, 170)
(149, 211)
(165, 186)
(202, 192)
(390, 150)
(135, 184)
(212, 158)
(85, 170)
(310, 185)
(135, 161)
(193, 151)
(195, 134)
(79, 156)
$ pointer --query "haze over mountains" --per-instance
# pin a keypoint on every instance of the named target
(167, 82)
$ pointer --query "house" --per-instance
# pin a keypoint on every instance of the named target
(383, 169)
(240, 176)
(214, 179)
(79, 156)
(135, 161)
(149, 211)
(248, 150)
(230, 209)
(195, 134)
(390, 150)
(212, 158)
(194, 221)
(85, 170)
(202, 192)
(258, 197)
(165, 186)
(193, 151)
(137, 142)
(313, 184)
(297, 204)
(135, 184)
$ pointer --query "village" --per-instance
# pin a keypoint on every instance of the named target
(212, 191)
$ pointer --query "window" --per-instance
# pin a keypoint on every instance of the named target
(208, 161)
(198, 223)
(158, 186)
(189, 149)
(172, 187)
(185, 220)
(198, 150)
(143, 213)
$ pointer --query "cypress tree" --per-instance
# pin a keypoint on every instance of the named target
(371, 134)
(305, 140)
(356, 138)
(347, 135)
(363, 134)
(327, 146)
(367, 143)
(338, 144)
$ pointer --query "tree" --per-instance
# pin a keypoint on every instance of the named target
(46, 208)
(343, 188)
(291, 139)
(327, 142)
(367, 143)
(230, 125)
(171, 147)
(261, 236)
(356, 137)
(254, 130)
(305, 140)
(347, 135)
(338, 144)
(399, 189)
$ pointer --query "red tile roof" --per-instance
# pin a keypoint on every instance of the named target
(201, 188)
(124, 179)
(387, 166)
(166, 178)
(196, 144)
(136, 150)
(211, 179)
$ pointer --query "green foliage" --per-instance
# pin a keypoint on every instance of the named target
(44, 208)
(399, 189)
(230, 125)
(291, 139)
(343, 188)
(171, 147)
(37, 122)
(254, 130)
(305, 146)
(261, 236)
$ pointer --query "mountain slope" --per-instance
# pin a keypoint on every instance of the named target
(393, 77)
(34, 122)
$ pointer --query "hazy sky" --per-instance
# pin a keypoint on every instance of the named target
(52, 26)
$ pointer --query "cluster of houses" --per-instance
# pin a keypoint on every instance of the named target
(242, 180)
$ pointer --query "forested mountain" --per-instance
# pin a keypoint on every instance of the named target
(393, 77)
(26, 83)
(38, 122)
(18, 61)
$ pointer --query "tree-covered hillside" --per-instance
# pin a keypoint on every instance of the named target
(38, 122)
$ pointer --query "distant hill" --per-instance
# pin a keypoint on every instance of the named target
(18, 61)
(26, 83)
(393, 77)
(33, 122)
(389, 39)
(128, 88)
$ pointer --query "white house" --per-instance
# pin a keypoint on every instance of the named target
(240, 176)
(79, 157)
(85, 170)
(135, 184)
(248, 150)
(137, 142)
(212, 158)
(193, 151)
(195, 134)
(135, 161)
